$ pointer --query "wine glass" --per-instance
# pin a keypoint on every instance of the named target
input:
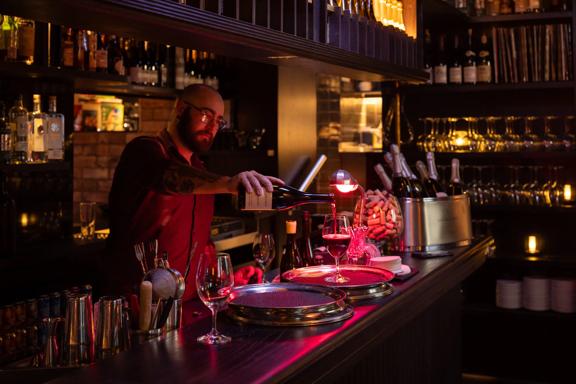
(214, 282)
(337, 235)
(264, 250)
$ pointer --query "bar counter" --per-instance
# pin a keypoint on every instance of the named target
(410, 336)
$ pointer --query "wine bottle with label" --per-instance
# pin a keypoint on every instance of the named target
(417, 188)
(36, 145)
(68, 48)
(282, 198)
(291, 255)
(484, 68)
(469, 66)
(433, 172)
(401, 186)
(18, 121)
(456, 187)
(441, 63)
(455, 68)
(428, 57)
(102, 53)
(54, 136)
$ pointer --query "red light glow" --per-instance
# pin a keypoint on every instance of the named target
(347, 187)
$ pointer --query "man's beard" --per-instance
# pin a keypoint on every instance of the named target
(195, 141)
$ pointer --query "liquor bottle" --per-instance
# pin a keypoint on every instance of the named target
(282, 198)
(455, 68)
(469, 66)
(179, 71)
(144, 64)
(18, 121)
(462, 5)
(54, 136)
(307, 250)
(535, 5)
(81, 55)
(521, 6)
(152, 65)
(11, 36)
(431, 187)
(401, 186)
(92, 42)
(115, 57)
(479, 7)
(7, 220)
(5, 137)
(290, 256)
(4, 36)
(484, 68)
(417, 188)
(456, 187)
(440, 65)
(428, 61)
(68, 48)
(164, 54)
(196, 67)
(38, 118)
(101, 52)
(134, 62)
(26, 40)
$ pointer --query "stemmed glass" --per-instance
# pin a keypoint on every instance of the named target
(264, 250)
(214, 282)
(337, 233)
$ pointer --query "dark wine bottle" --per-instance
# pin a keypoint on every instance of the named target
(431, 187)
(102, 53)
(307, 250)
(469, 66)
(386, 182)
(5, 137)
(455, 68)
(290, 256)
(484, 68)
(441, 62)
(68, 48)
(417, 188)
(428, 57)
(283, 198)
(401, 186)
(7, 220)
(456, 187)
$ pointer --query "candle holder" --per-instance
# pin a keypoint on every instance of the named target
(567, 195)
(532, 244)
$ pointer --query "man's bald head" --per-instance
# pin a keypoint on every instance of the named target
(201, 94)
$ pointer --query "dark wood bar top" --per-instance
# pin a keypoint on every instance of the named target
(324, 353)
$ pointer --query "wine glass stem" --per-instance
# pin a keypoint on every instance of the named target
(214, 314)
(337, 268)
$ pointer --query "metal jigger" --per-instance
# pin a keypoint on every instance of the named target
(79, 339)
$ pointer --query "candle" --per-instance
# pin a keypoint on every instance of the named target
(532, 245)
(567, 193)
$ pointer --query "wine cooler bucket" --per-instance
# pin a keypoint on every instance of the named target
(437, 223)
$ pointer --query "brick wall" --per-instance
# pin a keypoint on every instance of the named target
(96, 154)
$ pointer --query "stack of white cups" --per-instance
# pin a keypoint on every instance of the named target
(563, 295)
(536, 293)
(509, 294)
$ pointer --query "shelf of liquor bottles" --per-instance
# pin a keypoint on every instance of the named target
(488, 88)
(296, 32)
(522, 18)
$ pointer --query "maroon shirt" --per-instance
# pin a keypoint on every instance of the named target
(142, 210)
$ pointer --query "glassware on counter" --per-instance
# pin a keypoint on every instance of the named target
(337, 234)
(264, 251)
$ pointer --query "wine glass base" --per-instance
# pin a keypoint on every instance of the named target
(211, 339)
(338, 279)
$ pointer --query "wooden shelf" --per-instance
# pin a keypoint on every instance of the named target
(86, 81)
(187, 26)
(504, 87)
(522, 18)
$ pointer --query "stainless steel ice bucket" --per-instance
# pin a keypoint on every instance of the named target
(437, 223)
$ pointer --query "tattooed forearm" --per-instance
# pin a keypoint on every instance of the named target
(183, 179)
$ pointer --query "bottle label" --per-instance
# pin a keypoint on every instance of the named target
(38, 135)
(54, 138)
(430, 79)
(440, 74)
(135, 75)
(102, 59)
(253, 202)
(470, 74)
(484, 73)
(455, 74)
(68, 56)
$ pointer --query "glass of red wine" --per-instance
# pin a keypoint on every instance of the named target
(214, 282)
(337, 233)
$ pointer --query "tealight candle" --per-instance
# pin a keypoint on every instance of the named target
(532, 245)
(567, 193)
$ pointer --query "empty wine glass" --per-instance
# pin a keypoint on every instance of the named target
(337, 235)
(263, 250)
(214, 282)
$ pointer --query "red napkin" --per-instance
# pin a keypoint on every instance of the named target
(247, 275)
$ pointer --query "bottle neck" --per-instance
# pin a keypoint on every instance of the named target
(422, 170)
(396, 162)
(432, 171)
(52, 105)
(455, 177)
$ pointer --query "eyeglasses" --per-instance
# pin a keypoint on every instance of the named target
(208, 116)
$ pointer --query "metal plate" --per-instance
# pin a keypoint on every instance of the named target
(365, 282)
(284, 304)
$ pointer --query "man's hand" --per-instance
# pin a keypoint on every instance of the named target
(253, 182)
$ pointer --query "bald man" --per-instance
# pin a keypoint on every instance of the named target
(161, 190)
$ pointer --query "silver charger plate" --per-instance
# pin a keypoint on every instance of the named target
(364, 282)
(285, 304)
